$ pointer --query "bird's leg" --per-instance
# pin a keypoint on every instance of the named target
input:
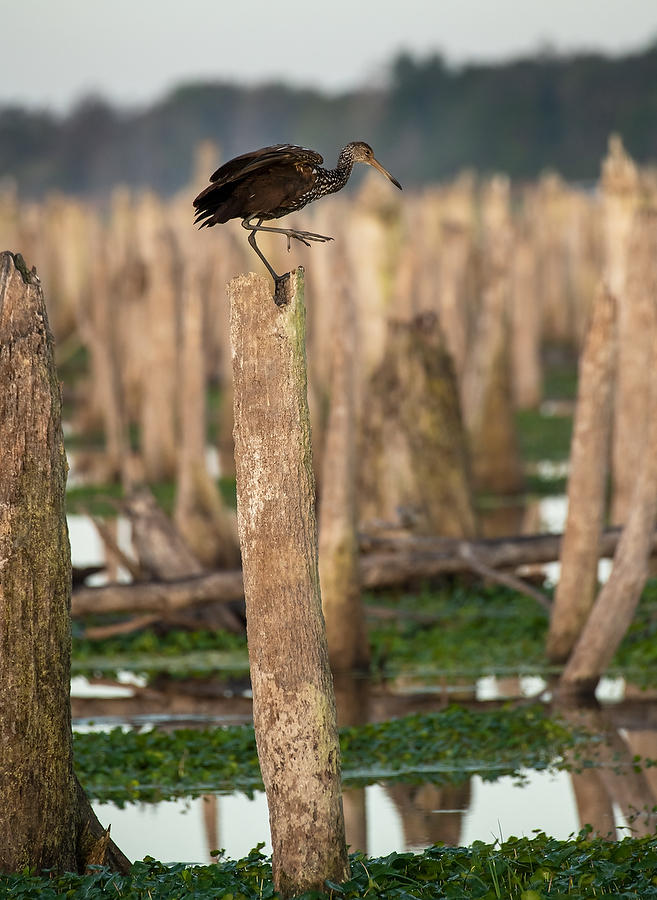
(252, 241)
(280, 296)
(304, 236)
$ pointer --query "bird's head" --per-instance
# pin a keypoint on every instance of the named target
(359, 151)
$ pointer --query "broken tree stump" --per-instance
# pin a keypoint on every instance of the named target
(293, 702)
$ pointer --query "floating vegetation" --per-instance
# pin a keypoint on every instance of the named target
(445, 747)
(477, 630)
(177, 653)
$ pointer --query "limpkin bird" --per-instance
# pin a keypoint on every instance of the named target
(269, 183)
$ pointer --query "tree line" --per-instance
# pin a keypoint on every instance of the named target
(428, 122)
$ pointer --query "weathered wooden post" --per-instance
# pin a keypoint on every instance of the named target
(338, 537)
(415, 459)
(200, 515)
(589, 462)
(45, 819)
(160, 342)
(616, 603)
(37, 823)
(485, 384)
(620, 188)
(293, 701)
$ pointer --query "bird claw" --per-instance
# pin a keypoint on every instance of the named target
(305, 237)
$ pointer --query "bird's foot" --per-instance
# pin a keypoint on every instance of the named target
(306, 237)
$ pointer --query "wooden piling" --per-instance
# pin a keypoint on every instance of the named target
(293, 702)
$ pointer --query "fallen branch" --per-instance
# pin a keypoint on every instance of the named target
(100, 632)
(505, 578)
(395, 562)
(111, 544)
(159, 596)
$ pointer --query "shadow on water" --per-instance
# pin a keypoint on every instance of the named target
(604, 788)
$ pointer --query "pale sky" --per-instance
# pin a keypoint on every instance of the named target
(133, 51)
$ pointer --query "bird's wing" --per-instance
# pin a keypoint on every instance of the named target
(258, 159)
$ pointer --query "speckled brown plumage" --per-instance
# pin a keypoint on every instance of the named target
(269, 183)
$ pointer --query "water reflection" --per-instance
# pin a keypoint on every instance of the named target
(614, 797)
(616, 782)
(430, 814)
(352, 694)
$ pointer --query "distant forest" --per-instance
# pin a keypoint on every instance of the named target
(429, 122)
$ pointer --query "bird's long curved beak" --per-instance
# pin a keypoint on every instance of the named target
(377, 165)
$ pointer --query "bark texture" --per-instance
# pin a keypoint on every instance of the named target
(587, 483)
(415, 460)
(616, 604)
(45, 819)
(200, 514)
(293, 703)
(338, 538)
(37, 822)
(636, 326)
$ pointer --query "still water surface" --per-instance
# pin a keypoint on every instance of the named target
(380, 818)
(186, 830)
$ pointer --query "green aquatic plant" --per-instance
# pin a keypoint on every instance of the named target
(444, 747)
(536, 868)
(474, 630)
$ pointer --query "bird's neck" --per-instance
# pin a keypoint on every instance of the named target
(332, 180)
(345, 164)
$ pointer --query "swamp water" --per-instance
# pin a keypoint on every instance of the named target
(393, 815)
(380, 817)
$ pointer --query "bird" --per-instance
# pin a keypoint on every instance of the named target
(269, 183)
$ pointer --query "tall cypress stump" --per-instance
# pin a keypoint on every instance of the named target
(38, 819)
(293, 702)
(589, 465)
(45, 818)
(338, 521)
